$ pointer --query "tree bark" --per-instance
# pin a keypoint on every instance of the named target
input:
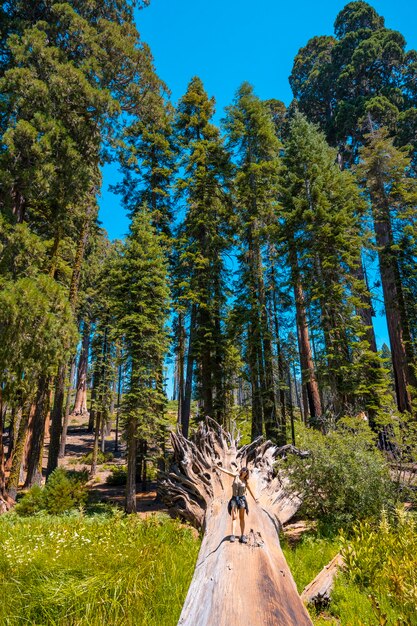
(131, 434)
(65, 422)
(80, 404)
(186, 407)
(56, 420)
(397, 322)
(94, 457)
(242, 584)
(34, 466)
(18, 453)
(5, 501)
(119, 396)
(180, 365)
(307, 365)
(56, 416)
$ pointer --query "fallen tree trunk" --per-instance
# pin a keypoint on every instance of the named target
(318, 592)
(241, 583)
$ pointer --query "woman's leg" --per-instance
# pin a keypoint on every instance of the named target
(234, 518)
(242, 521)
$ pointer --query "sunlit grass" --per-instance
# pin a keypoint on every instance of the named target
(102, 570)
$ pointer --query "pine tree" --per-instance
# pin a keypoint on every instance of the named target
(321, 211)
(251, 135)
(140, 300)
(202, 242)
(384, 170)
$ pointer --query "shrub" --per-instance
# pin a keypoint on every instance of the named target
(118, 476)
(344, 478)
(102, 457)
(32, 502)
(381, 559)
(64, 491)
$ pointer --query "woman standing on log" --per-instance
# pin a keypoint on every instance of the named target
(238, 500)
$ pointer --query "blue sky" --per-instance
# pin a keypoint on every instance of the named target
(226, 42)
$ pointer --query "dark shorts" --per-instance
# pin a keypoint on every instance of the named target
(237, 502)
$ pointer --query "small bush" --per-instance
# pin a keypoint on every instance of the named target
(345, 478)
(32, 502)
(64, 491)
(118, 476)
(101, 457)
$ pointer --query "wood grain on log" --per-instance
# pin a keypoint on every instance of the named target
(234, 583)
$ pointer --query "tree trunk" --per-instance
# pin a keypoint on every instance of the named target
(56, 420)
(186, 407)
(366, 312)
(242, 584)
(397, 322)
(18, 453)
(5, 501)
(204, 325)
(80, 404)
(56, 417)
(63, 441)
(307, 365)
(13, 430)
(94, 457)
(119, 397)
(131, 433)
(254, 340)
(180, 365)
(281, 440)
(34, 466)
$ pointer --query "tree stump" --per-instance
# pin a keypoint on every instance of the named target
(241, 583)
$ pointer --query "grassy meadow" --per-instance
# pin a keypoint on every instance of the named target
(111, 569)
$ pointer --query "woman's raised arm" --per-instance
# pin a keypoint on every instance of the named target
(233, 474)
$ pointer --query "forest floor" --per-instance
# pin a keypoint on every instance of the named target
(80, 443)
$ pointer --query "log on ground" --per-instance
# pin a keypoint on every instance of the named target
(318, 592)
(234, 583)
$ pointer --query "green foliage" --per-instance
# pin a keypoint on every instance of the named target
(366, 594)
(251, 137)
(205, 237)
(102, 457)
(344, 478)
(140, 298)
(110, 569)
(41, 305)
(364, 71)
(117, 476)
(63, 492)
(381, 560)
(320, 229)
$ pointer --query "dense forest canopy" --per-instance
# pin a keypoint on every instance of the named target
(246, 261)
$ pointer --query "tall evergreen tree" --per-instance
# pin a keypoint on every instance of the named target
(140, 301)
(363, 70)
(320, 221)
(251, 136)
(202, 242)
(392, 193)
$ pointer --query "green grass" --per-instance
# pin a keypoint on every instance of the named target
(308, 557)
(93, 571)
